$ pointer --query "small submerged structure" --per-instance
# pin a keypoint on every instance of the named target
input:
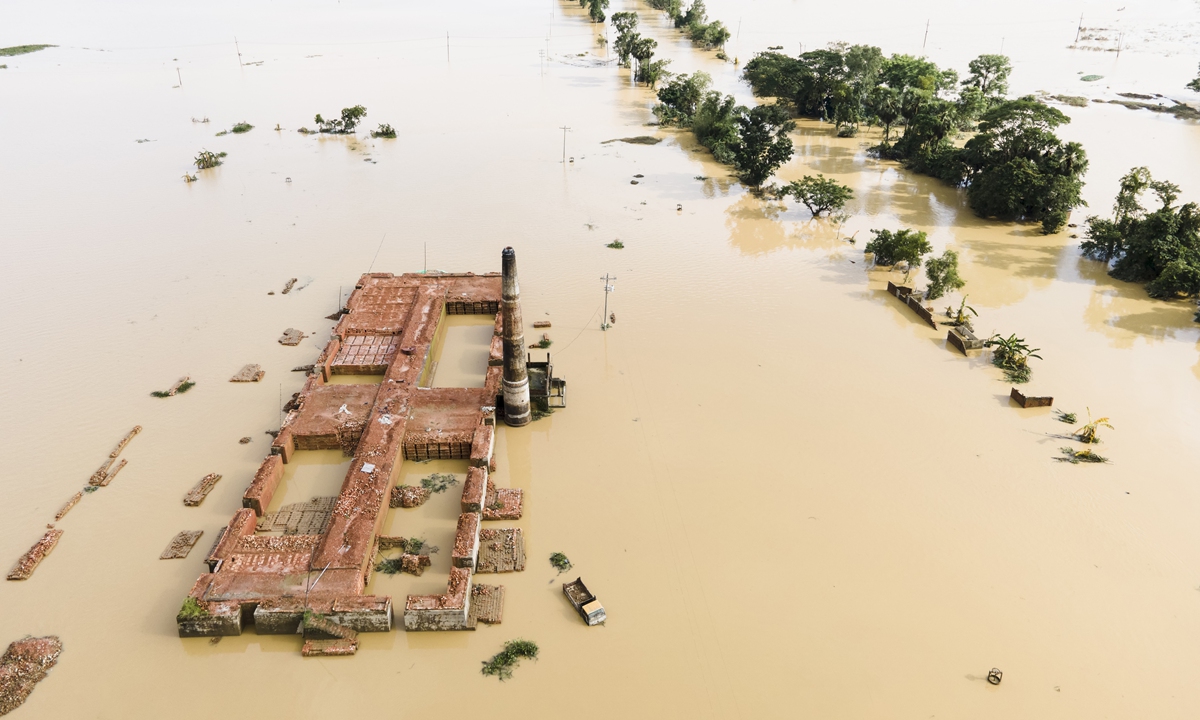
(585, 603)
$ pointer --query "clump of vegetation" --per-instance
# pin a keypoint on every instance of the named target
(439, 482)
(901, 246)
(502, 663)
(192, 609)
(1159, 248)
(22, 49)
(538, 408)
(1011, 354)
(242, 127)
(1087, 434)
(178, 390)
(384, 131)
(189, 178)
(1195, 84)
(959, 317)
(90, 489)
(560, 562)
(819, 194)
(345, 125)
(1075, 457)
(207, 159)
(631, 46)
(1072, 100)
(680, 98)
(942, 273)
(1066, 417)
(544, 343)
(694, 22)
(616, 245)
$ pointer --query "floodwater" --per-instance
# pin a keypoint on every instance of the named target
(793, 499)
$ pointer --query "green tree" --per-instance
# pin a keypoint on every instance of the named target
(1160, 248)
(883, 104)
(716, 125)
(763, 145)
(942, 274)
(595, 9)
(1195, 84)
(819, 194)
(989, 75)
(1016, 168)
(343, 125)
(680, 98)
(673, 8)
(696, 14)
(624, 23)
(901, 246)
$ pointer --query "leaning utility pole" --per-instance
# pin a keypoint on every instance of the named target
(926, 35)
(608, 287)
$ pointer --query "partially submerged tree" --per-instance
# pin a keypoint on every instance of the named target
(1011, 354)
(763, 145)
(207, 159)
(989, 75)
(1195, 84)
(673, 8)
(624, 23)
(716, 125)
(595, 9)
(1016, 168)
(344, 125)
(819, 194)
(384, 131)
(942, 274)
(1159, 248)
(680, 98)
(905, 245)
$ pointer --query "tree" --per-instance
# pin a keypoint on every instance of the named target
(716, 125)
(1159, 248)
(1016, 168)
(673, 8)
(1195, 84)
(763, 145)
(883, 104)
(624, 23)
(901, 246)
(819, 194)
(595, 9)
(942, 274)
(642, 50)
(344, 125)
(989, 75)
(680, 98)
(696, 15)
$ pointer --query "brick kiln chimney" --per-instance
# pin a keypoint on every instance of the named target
(516, 380)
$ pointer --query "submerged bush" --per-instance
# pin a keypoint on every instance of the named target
(942, 273)
(1011, 354)
(502, 663)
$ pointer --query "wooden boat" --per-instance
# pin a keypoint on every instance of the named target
(586, 604)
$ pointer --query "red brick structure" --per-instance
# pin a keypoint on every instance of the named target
(389, 329)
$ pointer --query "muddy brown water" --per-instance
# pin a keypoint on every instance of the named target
(791, 497)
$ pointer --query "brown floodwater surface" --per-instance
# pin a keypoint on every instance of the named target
(792, 498)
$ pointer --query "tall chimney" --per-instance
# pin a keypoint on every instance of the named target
(516, 380)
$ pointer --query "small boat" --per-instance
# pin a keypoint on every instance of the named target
(586, 604)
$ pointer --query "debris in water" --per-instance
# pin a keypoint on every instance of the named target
(66, 508)
(183, 385)
(197, 494)
(245, 440)
(291, 337)
(287, 288)
(181, 545)
(502, 663)
(560, 562)
(616, 245)
(1075, 457)
(1029, 401)
(29, 561)
(409, 496)
(994, 676)
(248, 373)
(23, 665)
(438, 482)
(1066, 417)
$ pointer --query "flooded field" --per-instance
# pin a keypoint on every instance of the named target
(792, 498)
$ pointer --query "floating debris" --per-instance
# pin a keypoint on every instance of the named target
(181, 545)
(560, 562)
(245, 440)
(1066, 417)
(1075, 457)
(291, 336)
(287, 288)
(66, 508)
(183, 385)
(24, 568)
(197, 494)
(502, 663)
(23, 665)
(248, 373)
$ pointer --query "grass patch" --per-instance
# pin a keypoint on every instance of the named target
(544, 343)
(616, 245)
(22, 49)
(90, 489)
(1066, 417)
(242, 127)
(206, 159)
(384, 131)
(191, 609)
(502, 663)
(438, 482)
(222, 133)
(560, 562)
(1073, 456)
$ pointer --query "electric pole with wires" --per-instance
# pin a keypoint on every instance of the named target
(605, 320)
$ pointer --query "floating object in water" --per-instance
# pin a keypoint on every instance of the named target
(995, 676)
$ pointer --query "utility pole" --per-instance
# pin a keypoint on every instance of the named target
(1120, 37)
(565, 130)
(608, 287)
(239, 50)
(179, 76)
(739, 32)
(926, 35)
(447, 47)
(1079, 29)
